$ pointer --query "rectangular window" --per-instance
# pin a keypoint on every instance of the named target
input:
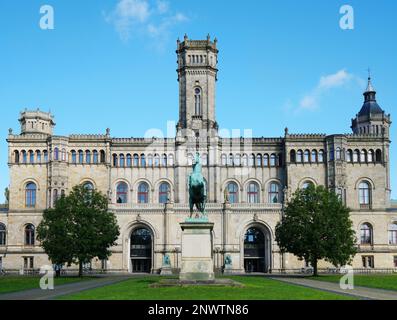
(393, 237)
(28, 263)
(395, 261)
(368, 262)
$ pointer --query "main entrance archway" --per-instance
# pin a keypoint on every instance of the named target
(141, 250)
(256, 250)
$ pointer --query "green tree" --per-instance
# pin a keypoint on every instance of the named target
(316, 225)
(78, 229)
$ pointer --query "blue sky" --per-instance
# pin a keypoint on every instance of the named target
(111, 63)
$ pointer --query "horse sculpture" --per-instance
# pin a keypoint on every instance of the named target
(197, 189)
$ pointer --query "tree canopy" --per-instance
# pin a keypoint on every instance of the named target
(316, 225)
(79, 228)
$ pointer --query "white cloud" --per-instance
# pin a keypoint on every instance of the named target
(143, 17)
(339, 79)
(334, 80)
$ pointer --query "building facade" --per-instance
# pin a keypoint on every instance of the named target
(249, 181)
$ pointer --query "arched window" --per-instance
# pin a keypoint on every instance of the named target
(88, 185)
(232, 189)
(143, 161)
(338, 153)
(24, 157)
(56, 154)
(31, 156)
(356, 155)
(122, 193)
(245, 160)
(265, 160)
(364, 193)
(164, 189)
(274, 193)
(272, 160)
(366, 234)
(253, 193)
(81, 156)
(299, 156)
(88, 156)
(371, 156)
(349, 155)
(103, 158)
(29, 235)
(307, 184)
(393, 234)
(259, 160)
(3, 233)
(363, 156)
(16, 152)
(306, 156)
(237, 160)
(122, 160)
(292, 156)
(321, 156)
(143, 193)
(251, 160)
(30, 195)
(378, 155)
(164, 160)
(55, 197)
(129, 160)
(223, 159)
(115, 160)
(314, 156)
(150, 160)
(157, 160)
(95, 156)
(63, 155)
(230, 160)
(136, 160)
(197, 102)
(74, 157)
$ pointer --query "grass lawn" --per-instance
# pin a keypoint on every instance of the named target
(256, 288)
(388, 281)
(15, 283)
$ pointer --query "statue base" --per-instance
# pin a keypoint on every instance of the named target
(197, 256)
(166, 270)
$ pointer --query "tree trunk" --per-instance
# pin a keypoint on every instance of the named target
(315, 272)
(80, 268)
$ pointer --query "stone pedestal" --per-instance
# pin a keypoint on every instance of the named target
(166, 271)
(197, 258)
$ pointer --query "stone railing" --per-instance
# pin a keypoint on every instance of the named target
(137, 206)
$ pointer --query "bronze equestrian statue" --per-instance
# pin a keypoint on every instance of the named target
(197, 189)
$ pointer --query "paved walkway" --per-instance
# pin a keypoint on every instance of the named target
(66, 289)
(360, 292)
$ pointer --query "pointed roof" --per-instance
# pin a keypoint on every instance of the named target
(370, 106)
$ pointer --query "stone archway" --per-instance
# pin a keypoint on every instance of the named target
(257, 249)
(141, 250)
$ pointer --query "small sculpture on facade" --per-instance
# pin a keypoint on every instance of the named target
(166, 260)
(228, 260)
(226, 195)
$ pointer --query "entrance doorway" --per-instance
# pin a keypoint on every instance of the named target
(141, 251)
(255, 251)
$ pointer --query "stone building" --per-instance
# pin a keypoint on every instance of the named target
(249, 180)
